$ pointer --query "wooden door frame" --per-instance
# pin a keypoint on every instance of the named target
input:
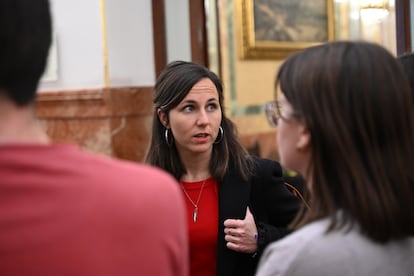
(403, 26)
(159, 36)
(198, 33)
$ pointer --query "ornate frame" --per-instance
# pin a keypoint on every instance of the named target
(272, 49)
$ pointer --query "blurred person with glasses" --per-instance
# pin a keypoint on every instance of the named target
(293, 180)
(356, 159)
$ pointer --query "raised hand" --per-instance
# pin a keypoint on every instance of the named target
(241, 235)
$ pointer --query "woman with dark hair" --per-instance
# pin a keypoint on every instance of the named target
(236, 204)
(345, 120)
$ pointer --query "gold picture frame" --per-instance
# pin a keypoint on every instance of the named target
(275, 29)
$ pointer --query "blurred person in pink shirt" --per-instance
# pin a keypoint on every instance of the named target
(64, 211)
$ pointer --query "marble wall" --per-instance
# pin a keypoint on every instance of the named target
(113, 121)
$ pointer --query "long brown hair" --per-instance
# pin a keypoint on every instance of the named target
(357, 105)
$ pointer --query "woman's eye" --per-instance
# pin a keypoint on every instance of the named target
(212, 107)
(188, 108)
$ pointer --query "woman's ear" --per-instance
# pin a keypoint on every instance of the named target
(162, 117)
(305, 139)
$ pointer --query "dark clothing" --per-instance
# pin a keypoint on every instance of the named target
(271, 204)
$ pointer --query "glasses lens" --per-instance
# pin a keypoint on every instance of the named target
(271, 113)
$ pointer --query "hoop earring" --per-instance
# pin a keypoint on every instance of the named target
(167, 138)
(220, 136)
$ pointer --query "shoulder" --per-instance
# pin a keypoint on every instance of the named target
(147, 180)
(125, 181)
(341, 251)
(138, 203)
(281, 255)
(112, 167)
(301, 238)
(260, 161)
(263, 165)
(267, 174)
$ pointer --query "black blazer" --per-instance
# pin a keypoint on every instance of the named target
(271, 203)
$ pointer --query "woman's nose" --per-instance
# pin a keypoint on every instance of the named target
(202, 117)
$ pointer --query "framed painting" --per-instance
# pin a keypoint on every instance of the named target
(273, 29)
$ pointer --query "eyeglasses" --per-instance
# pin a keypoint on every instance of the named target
(273, 112)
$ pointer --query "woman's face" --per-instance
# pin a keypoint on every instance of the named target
(195, 121)
(292, 138)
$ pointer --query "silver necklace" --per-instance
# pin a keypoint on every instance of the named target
(195, 205)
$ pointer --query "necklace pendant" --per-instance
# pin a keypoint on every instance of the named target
(195, 214)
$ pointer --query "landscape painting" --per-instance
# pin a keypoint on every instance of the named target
(275, 28)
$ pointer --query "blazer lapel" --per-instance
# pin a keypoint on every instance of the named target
(234, 194)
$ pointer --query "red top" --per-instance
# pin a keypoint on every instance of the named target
(203, 232)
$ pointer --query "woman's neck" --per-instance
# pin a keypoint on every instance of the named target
(197, 167)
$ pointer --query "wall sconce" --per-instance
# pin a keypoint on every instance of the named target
(373, 10)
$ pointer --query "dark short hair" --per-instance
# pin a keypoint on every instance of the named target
(357, 105)
(172, 86)
(25, 37)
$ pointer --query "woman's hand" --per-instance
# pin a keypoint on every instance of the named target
(241, 235)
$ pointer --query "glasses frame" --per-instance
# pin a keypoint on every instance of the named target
(272, 110)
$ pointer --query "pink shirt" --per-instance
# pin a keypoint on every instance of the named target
(67, 212)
